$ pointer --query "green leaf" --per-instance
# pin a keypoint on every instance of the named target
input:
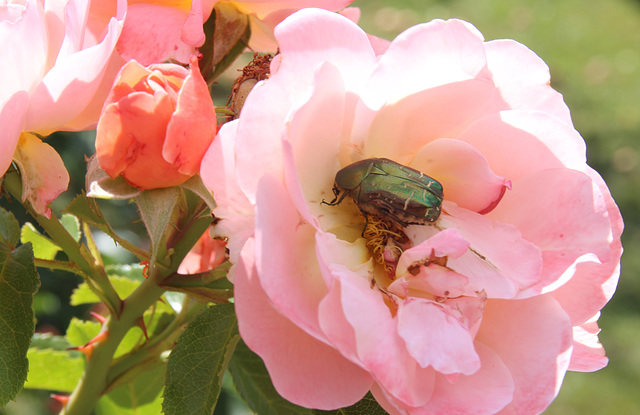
(9, 228)
(195, 185)
(83, 294)
(100, 185)
(141, 396)
(367, 406)
(49, 341)
(72, 225)
(19, 281)
(227, 35)
(130, 271)
(87, 210)
(199, 360)
(80, 332)
(43, 247)
(156, 208)
(253, 383)
(54, 369)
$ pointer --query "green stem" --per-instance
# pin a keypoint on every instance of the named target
(93, 248)
(60, 265)
(94, 381)
(196, 224)
(157, 344)
(77, 252)
(141, 254)
(100, 370)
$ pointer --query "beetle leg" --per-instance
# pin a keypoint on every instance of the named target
(336, 193)
(366, 222)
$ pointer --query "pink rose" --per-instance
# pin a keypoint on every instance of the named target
(484, 310)
(156, 125)
(57, 63)
(158, 31)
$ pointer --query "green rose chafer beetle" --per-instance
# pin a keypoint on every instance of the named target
(382, 187)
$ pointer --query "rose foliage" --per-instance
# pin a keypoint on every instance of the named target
(481, 312)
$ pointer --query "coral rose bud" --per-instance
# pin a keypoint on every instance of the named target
(156, 125)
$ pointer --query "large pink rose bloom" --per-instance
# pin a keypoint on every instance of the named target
(486, 309)
(57, 62)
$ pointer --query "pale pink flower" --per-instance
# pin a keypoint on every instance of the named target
(157, 31)
(485, 310)
(57, 63)
(156, 124)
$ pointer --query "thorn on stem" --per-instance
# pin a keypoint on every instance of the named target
(102, 319)
(143, 326)
(87, 349)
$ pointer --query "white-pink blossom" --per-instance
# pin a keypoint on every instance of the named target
(57, 63)
(484, 310)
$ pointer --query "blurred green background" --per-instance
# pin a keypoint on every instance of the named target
(593, 51)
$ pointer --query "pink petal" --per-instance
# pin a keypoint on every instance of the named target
(455, 45)
(193, 124)
(88, 117)
(447, 243)
(152, 34)
(588, 354)
(575, 220)
(431, 282)
(304, 37)
(290, 353)
(594, 282)
(313, 36)
(119, 129)
(335, 253)
(589, 289)
(464, 174)
(192, 31)
(436, 338)
(12, 114)
(431, 279)
(24, 65)
(533, 141)
(332, 319)
(523, 78)
(380, 349)
(205, 255)
(485, 392)
(314, 159)
(286, 258)
(533, 338)
(74, 14)
(500, 261)
(69, 87)
(415, 120)
(44, 175)
(218, 172)
(378, 44)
